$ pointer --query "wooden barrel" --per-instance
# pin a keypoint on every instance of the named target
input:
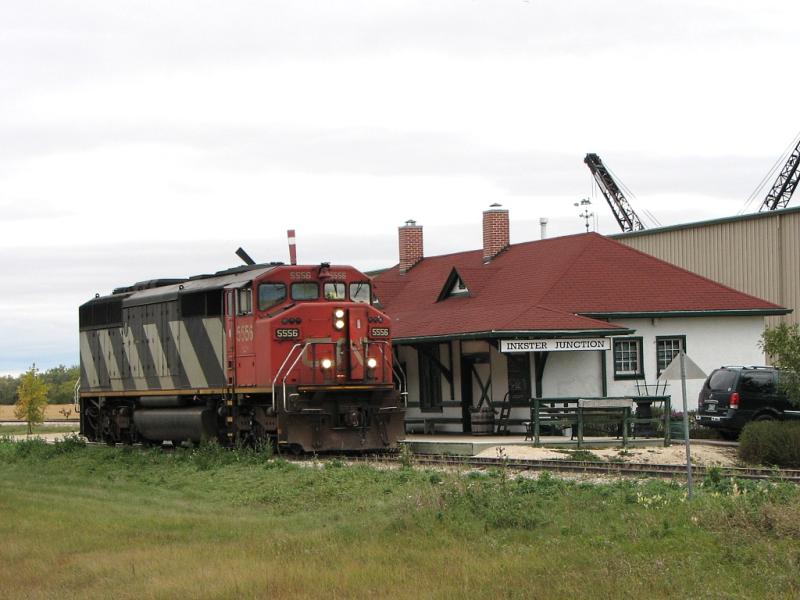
(483, 421)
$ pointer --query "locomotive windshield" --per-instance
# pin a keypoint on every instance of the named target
(359, 292)
(305, 291)
(334, 291)
(270, 294)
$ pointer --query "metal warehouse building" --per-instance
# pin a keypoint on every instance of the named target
(758, 254)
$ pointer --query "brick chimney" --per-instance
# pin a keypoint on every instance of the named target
(410, 236)
(496, 234)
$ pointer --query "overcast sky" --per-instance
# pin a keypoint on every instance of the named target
(151, 139)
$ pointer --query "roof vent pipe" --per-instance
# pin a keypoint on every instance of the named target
(543, 226)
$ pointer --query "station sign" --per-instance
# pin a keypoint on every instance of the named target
(556, 345)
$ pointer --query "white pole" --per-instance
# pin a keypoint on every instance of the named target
(686, 423)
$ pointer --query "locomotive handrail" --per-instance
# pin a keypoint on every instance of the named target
(285, 372)
(278, 374)
(397, 369)
(283, 383)
(76, 396)
(384, 361)
(299, 356)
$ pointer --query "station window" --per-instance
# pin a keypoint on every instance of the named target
(245, 301)
(360, 292)
(628, 360)
(270, 294)
(519, 378)
(305, 291)
(333, 291)
(667, 348)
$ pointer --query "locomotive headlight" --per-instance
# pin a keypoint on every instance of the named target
(326, 363)
(339, 324)
(339, 313)
(372, 363)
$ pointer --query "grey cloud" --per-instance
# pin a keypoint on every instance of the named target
(386, 153)
(67, 43)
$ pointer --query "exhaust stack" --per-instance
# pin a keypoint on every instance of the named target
(245, 256)
(292, 247)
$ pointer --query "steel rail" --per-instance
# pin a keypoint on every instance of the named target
(612, 468)
(627, 469)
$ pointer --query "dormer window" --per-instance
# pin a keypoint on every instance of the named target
(459, 288)
(454, 287)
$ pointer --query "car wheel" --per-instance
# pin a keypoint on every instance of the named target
(765, 417)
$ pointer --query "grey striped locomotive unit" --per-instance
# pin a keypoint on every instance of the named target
(292, 355)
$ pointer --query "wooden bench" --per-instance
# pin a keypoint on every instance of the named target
(602, 410)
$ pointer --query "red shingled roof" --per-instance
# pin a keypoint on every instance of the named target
(546, 286)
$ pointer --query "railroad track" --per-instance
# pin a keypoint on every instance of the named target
(624, 469)
(611, 468)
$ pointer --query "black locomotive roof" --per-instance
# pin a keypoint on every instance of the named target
(165, 290)
(197, 284)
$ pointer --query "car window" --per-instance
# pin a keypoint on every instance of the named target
(757, 382)
(722, 380)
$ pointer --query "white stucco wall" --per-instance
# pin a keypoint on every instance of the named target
(571, 374)
(710, 342)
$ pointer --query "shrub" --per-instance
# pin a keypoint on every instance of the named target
(771, 443)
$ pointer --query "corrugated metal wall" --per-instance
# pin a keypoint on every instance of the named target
(757, 254)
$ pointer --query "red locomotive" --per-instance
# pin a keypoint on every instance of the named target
(286, 354)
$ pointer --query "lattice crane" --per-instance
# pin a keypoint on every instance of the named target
(626, 217)
(784, 185)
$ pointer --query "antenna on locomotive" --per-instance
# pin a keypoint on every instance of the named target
(292, 247)
(245, 256)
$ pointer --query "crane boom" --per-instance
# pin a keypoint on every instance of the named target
(628, 220)
(784, 185)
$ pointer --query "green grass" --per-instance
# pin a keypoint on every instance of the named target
(78, 522)
(37, 430)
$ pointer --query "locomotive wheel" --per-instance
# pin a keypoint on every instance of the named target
(92, 417)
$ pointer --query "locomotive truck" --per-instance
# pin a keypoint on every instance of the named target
(291, 355)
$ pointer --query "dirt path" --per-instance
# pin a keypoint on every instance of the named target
(672, 455)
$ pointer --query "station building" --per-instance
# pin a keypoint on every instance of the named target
(573, 316)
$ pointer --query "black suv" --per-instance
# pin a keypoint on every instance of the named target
(733, 396)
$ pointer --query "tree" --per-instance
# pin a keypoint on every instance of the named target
(782, 343)
(31, 398)
(60, 383)
(8, 389)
